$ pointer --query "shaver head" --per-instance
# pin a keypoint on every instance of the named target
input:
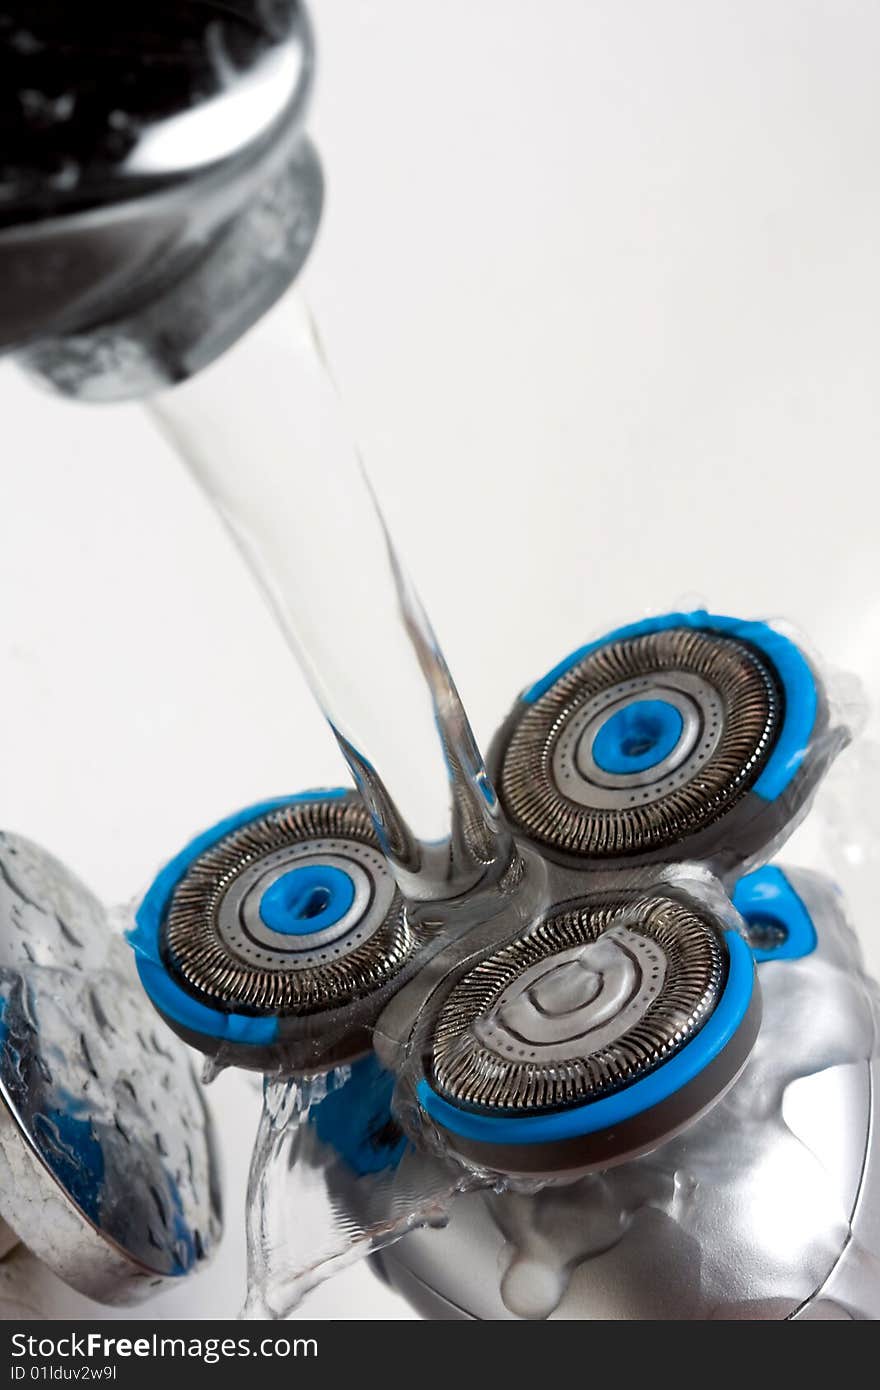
(157, 193)
(274, 939)
(690, 736)
(763, 1209)
(595, 1036)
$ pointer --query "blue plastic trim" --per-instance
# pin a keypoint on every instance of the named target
(166, 994)
(656, 724)
(356, 1121)
(283, 906)
(769, 895)
(801, 696)
(624, 1105)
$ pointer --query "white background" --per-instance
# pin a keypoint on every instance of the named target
(601, 286)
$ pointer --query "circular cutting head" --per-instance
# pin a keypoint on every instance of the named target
(595, 1036)
(107, 1168)
(684, 736)
(274, 938)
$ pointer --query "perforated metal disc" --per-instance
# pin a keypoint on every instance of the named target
(587, 1003)
(717, 706)
(216, 938)
(107, 1168)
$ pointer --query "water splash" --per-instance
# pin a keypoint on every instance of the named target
(332, 1180)
(212, 1067)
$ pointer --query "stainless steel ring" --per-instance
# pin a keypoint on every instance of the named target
(580, 778)
(582, 998)
(243, 930)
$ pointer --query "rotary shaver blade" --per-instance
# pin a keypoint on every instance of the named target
(684, 736)
(504, 1038)
(595, 1036)
(278, 936)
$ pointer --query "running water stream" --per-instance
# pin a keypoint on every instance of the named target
(301, 510)
(287, 481)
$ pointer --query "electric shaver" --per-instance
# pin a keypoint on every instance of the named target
(648, 1063)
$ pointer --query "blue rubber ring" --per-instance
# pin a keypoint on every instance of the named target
(789, 663)
(145, 937)
(768, 896)
(356, 1120)
(286, 906)
(624, 1105)
(637, 737)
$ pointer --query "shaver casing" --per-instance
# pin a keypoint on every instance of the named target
(802, 739)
